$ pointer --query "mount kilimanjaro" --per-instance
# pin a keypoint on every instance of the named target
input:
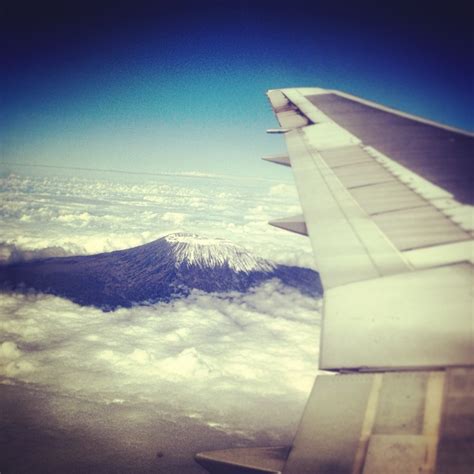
(162, 270)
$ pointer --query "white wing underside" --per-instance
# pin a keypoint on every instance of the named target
(387, 204)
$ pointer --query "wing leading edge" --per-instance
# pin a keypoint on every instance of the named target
(386, 200)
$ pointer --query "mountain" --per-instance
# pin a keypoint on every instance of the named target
(161, 270)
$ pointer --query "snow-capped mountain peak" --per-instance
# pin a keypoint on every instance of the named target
(195, 250)
(160, 271)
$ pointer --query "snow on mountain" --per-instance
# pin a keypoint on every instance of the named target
(192, 249)
(162, 270)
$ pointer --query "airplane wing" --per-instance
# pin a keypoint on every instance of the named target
(387, 204)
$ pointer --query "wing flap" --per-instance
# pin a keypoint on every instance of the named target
(386, 197)
(345, 156)
(362, 174)
(417, 227)
(350, 425)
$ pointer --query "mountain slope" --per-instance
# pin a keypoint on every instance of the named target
(161, 270)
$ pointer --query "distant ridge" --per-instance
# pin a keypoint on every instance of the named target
(167, 268)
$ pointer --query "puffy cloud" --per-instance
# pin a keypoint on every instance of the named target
(10, 253)
(210, 350)
(9, 350)
(82, 218)
(173, 217)
(283, 190)
(11, 363)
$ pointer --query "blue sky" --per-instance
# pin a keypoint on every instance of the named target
(150, 87)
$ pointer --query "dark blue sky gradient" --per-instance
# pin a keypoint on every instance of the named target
(161, 86)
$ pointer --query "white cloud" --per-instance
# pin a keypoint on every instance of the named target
(283, 190)
(84, 216)
(11, 363)
(213, 349)
(173, 217)
(9, 351)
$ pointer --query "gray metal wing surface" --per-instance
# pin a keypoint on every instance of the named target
(386, 201)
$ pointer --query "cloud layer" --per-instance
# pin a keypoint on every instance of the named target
(238, 365)
(86, 215)
(185, 354)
